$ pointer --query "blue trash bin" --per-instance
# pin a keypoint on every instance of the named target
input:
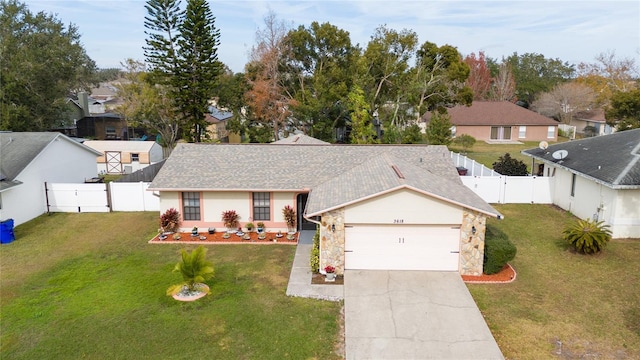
(6, 231)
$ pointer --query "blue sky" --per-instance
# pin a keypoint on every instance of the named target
(574, 31)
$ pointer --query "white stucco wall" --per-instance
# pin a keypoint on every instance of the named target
(62, 161)
(215, 203)
(618, 208)
(280, 200)
(406, 206)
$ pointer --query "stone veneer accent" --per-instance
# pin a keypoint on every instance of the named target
(472, 246)
(332, 243)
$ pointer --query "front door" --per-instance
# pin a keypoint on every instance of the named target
(303, 224)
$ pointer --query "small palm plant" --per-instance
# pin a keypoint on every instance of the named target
(587, 236)
(195, 269)
(289, 215)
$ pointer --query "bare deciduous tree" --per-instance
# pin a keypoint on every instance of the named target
(564, 101)
(504, 85)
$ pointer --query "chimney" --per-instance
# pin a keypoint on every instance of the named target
(83, 99)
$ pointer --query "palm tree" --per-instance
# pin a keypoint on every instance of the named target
(587, 236)
(195, 269)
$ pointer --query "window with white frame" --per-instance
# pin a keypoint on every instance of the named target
(261, 206)
(551, 132)
(522, 132)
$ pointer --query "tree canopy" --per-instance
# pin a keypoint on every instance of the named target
(43, 62)
(623, 111)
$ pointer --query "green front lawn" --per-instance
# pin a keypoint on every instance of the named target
(562, 304)
(89, 286)
(487, 154)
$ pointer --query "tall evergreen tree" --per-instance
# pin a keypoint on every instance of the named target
(198, 66)
(162, 21)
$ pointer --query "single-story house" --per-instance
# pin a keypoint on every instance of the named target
(125, 157)
(376, 206)
(591, 123)
(500, 121)
(28, 160)
(596, 178)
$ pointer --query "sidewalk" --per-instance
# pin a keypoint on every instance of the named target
(300, 279)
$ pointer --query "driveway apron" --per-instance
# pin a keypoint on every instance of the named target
(413, 315)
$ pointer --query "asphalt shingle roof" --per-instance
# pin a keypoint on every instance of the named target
(613, 160)
(336, 173)
(300, 139)
(497, 113)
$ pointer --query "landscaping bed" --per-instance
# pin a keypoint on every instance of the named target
(218, 237)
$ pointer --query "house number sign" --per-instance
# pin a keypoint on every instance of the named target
(398, 221)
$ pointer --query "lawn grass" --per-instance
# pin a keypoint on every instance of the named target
(487, 154)
(90, 286)
(562, 304)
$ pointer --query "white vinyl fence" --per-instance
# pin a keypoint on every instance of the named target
(100, 197)
(511, 189)
(473, 168)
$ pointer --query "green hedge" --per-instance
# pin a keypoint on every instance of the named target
(314, 261)
(498, 250)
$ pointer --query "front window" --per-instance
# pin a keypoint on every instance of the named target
(135, 157)
(500, 132)
(261, 206)
(522, 133)
(551, 132)
(191, 206)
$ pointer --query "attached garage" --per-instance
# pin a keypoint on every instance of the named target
(402, 247)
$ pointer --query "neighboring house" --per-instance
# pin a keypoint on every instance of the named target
(591, 123)
(28, 160)
(217, 127)
(125, 157)
(107, 126)
(500, 121)
(596, 178)
(300, 139)
(377, 206)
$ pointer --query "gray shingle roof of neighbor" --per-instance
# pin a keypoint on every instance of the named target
(483, 113)
(300, 139)
(339, 173)
(19, 149)
(612, 160)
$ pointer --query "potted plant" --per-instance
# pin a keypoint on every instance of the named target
(260, 226)
(289, 215)
(249, 226)
(170, 221)
(262, 236)
(176, 236)
(226, 235)
(195, 270)
(212, 230)
(330, 273)
(194, 231)
(230, 218)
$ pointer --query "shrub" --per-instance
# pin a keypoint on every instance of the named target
(230, 219)
(170, 220)
(315, 253)
(289, 217)
(465, 141)
(587, 236)
(194, 268)
(498, 250)
(506, 165)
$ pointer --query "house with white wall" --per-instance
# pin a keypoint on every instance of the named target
(28, 160)
(596, 178)
(125, 157)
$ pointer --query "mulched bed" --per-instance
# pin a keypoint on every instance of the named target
(217, 238)
(318, 279)
(506, 275)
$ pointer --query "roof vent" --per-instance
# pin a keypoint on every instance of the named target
(398, 172)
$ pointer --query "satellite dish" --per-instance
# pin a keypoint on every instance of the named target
(560, 154)
(543, 145)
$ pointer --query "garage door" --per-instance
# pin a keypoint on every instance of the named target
(402, 247)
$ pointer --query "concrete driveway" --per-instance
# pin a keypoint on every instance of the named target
(413, 315)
